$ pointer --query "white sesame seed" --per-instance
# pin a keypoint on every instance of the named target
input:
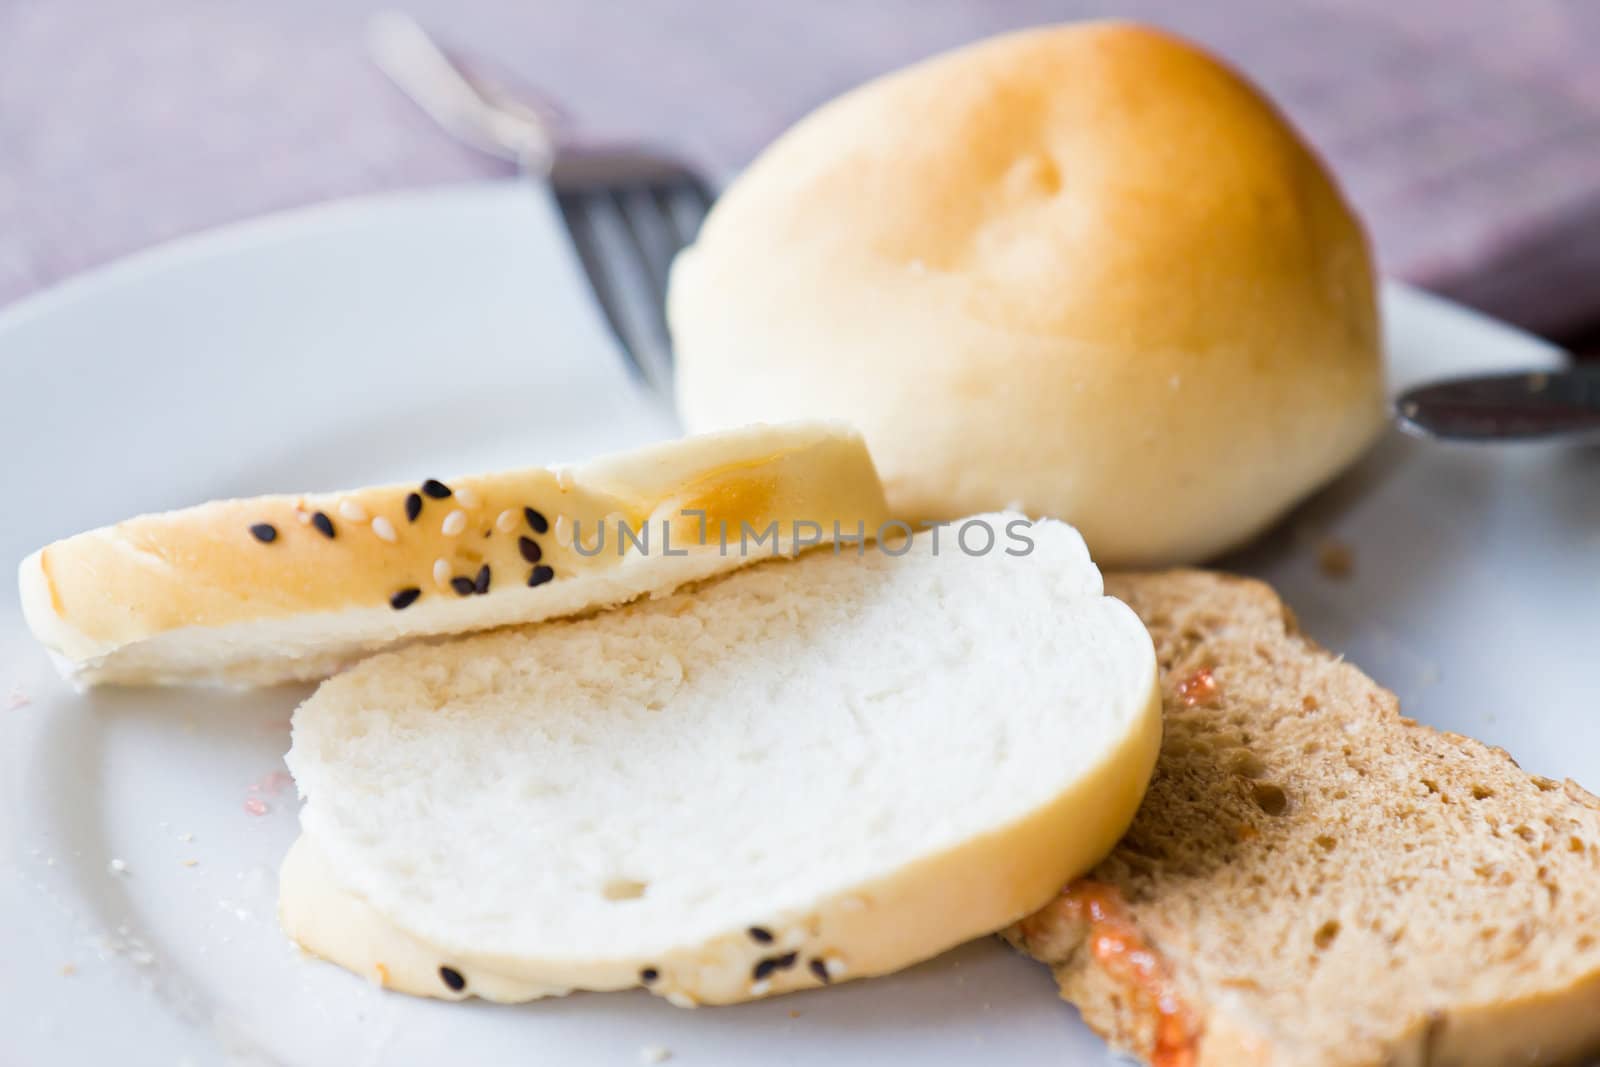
(454, 523)
(837, 968)
(466, 497)
(681, 1000)
(508, 520)
(761, 988)
(441, 572)
(563, 532)
(117, 867)
(349, 509)
(302, 514)
(564, 480)
(385, 530)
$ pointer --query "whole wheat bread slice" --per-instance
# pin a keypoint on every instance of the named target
(1313, 879)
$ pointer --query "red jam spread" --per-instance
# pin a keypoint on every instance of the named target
(1119, 949)
(1199, 688)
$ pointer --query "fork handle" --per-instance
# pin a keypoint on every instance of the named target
(416, 64)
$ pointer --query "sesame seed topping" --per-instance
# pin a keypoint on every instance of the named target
(785, 961)
(507, 521)
(820, 969)
(760, 988)
(467, 497)
(454, 523)
(530, 549)
(481, 583)
(763, 969)
(837, 967)
(563, 531)
(564, 479)
(463, 586)
(681, 1000)
(540, 575)
(413, 506)
(352, 511)
(441, 572)
(404, 598)
(648, 975)
(452, 978)
(760, 935)
(384, 529)
(536, 520)
(302, 514)
(324, 525)
(435, 488)
(264, 532)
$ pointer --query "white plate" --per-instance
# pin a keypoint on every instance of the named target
(449, 331)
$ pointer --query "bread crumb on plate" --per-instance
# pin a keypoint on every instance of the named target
(1335, 559)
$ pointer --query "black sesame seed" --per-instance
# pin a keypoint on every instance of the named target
(264, 532)
(786, 961)
(435, 488)
(648, 975)
(452, 978)
(323, 524)
(760, 934)
(820, 969)
(540, 575)
(413, 506)
(481, 584)
(763, 969)
(404, 598)
(536, 520)
(463, 586)
(530, 549)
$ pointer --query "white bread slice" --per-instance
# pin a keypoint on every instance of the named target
(812, 770)
(1315, 881)
(195, 595)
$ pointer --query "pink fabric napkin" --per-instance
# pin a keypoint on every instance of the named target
(1467, 131)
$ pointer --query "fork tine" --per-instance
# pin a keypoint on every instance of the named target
(686, 203)
(654, 235)
(584, 242)
(621, 282)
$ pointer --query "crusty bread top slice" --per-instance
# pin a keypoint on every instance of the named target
(810, 770)
(283, 588)
(1313, 879)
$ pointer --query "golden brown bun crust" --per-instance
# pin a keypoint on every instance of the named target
(1313, 879)
(1085, 270)
(282, 588)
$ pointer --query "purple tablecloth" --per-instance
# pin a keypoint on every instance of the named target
(1468, 131)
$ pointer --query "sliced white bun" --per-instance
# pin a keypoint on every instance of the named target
(812, 770)
(1086, 271)
(196, 596)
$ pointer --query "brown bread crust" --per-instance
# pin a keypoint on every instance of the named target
(1314, 879)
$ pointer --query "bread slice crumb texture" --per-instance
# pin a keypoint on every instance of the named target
(1314, 879)
(866, 757)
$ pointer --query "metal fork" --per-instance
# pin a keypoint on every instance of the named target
(628, 210)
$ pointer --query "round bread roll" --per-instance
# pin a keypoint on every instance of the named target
(1086, 272)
